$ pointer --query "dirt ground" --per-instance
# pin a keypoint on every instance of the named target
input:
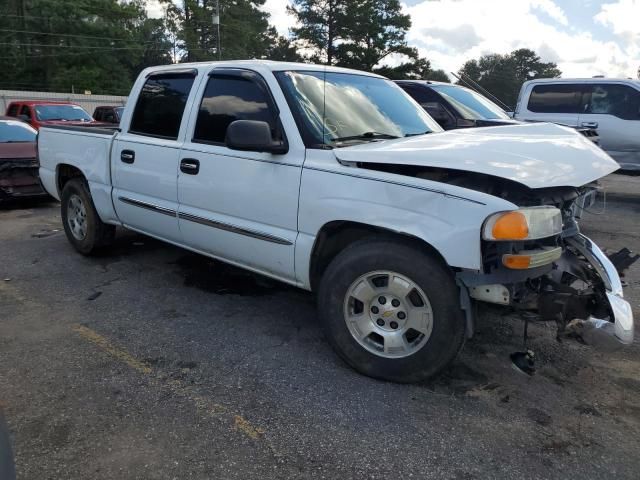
(154, 363)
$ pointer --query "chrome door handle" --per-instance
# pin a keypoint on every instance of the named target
(127, 156)
(190, 166)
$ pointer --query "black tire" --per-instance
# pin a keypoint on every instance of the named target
(429, 273)
(98, 234)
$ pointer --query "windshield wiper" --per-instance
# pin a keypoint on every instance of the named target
(366, 136)
(416, 134)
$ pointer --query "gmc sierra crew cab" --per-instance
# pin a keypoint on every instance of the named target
(336, 181)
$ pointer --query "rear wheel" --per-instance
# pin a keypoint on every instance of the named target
(391, 310)
(84, 229)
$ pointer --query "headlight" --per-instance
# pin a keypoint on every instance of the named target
(523, 224)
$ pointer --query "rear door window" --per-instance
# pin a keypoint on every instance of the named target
(558, 98)
(621, 101)
(13, 110)
(161, 104)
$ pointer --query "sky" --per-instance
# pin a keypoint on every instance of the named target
(584, 37)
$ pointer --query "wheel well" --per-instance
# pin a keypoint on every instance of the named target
(66, 173)
(336, 236)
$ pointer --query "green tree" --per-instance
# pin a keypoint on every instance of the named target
(361, 34)
(503, 75)
(244, 31)
(64, 45)
(438, 76)
(377, 30)
(281, 48)
(323, 23)
(528, 65)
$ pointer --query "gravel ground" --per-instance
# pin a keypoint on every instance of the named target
(155, 363)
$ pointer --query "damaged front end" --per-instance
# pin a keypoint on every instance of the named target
(19, 178)
(554, 271)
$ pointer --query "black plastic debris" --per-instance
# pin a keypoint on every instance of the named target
(623, 259)
(94, 295)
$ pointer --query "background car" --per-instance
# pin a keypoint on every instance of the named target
(612, 105)
(39, 113)
(108, 114)
(455, 106)
(18, 161)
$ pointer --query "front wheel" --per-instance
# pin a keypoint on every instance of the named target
(391, 310)
(82, 225)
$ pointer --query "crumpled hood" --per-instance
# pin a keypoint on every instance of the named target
(537, 155)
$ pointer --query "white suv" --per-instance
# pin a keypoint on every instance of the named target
(610, 105)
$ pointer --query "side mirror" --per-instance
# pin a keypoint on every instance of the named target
(253, 136)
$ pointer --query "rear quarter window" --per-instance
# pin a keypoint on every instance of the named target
(559, 98)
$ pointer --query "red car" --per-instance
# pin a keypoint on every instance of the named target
(18, 162)
(38, 113)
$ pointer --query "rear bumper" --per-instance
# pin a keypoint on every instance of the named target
(620, 310)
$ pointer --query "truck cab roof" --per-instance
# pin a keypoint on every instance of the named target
(271, 65)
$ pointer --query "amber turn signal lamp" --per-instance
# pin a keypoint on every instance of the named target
(517, 262)
(511, 226)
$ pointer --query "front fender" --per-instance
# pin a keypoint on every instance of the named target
(446, 220)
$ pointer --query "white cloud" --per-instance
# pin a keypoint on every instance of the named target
(501, 26)
(551, 9)
(622, 17)
(279, 18)
(458, 38)
(154, 9)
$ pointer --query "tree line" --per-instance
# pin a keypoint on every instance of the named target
(102, 45)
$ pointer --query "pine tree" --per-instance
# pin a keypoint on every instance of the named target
(360, 34)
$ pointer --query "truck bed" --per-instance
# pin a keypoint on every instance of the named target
(86, 148)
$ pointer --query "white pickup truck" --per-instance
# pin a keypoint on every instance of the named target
(336, 181)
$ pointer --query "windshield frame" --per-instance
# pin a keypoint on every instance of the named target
(310, 139)
(481, 99)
